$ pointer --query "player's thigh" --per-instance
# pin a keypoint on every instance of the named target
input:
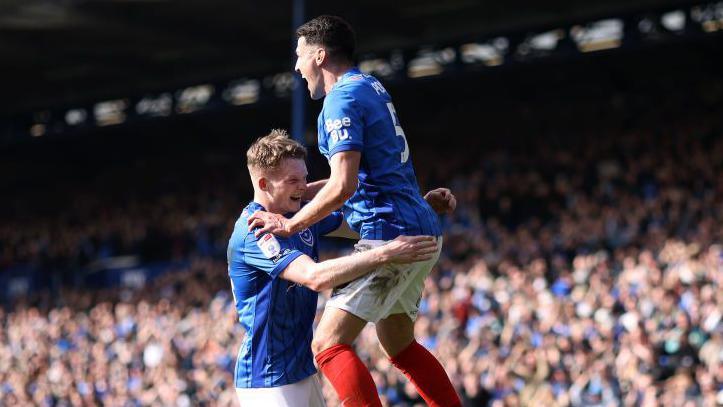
(396, 329)
(395, 333)
(336, 327)
(374, 296)
(407, 301)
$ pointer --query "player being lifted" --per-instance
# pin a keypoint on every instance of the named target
(270, 276)
(373, 178)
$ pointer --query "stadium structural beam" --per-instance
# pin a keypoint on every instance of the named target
(298, 99)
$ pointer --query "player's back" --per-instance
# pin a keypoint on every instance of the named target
(358, 115)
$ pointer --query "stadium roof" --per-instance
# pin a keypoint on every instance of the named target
(61, 52)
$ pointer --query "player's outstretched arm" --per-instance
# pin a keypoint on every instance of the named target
(340, 186)
(330, 273)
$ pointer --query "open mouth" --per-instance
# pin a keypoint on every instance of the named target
(296, 198)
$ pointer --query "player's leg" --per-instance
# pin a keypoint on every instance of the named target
(336, 327)
(339, 363)
(396, 335)
(368, 298)
(396, 329)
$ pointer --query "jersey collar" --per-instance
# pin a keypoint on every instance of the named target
(254, 206)
(351, 72)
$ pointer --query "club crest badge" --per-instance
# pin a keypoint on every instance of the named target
(307, 237)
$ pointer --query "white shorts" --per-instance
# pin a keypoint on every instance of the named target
(306, 393)
(390, 289)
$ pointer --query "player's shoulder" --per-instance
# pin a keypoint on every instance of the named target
(346, 97)
(241, 229)
(246, 242)
(352, 83)
(338, 100)
(342, 94)
(237, 240)
(358, 85)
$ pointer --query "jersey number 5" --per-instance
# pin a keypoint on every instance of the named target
(399, 131)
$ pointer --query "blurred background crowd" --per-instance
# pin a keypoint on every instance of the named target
(583, 265)
(578, 276)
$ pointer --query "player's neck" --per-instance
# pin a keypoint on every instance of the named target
(268, 204)
(333, 74)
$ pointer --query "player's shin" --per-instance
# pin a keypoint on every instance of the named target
(350, 378)
(427, 375)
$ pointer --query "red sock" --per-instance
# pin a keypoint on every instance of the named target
(427, 375)
(350, 378)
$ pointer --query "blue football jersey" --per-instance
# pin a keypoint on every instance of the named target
(358, 115)
(276, 314)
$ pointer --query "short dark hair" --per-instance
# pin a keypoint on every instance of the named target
(331, 32)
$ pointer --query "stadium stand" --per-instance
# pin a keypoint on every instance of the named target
(581, 275)
(582, 267)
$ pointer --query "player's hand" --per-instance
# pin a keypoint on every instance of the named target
(442, 200)
(409, 249)
(266, 222)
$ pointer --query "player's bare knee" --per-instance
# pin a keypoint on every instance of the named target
(317, 346)
(321, 343)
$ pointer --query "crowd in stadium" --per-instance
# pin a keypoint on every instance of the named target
(583, 275)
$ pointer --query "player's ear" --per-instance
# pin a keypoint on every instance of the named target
(320, 56)
(263, 184)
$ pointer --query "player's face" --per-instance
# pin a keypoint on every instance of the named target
(287, 185)
(307, 65)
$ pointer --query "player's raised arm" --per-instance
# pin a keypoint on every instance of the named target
(330, 273)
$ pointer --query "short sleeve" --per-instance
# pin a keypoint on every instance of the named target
(342, 127)
(268, 253)
(330, 223)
